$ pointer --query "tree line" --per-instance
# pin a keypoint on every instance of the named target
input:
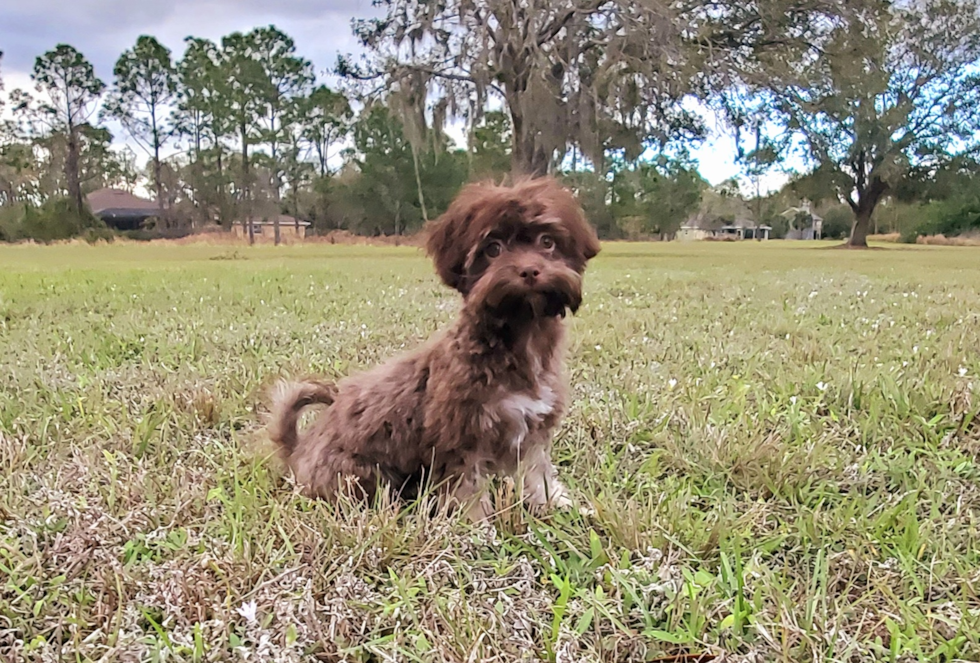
(878, 100)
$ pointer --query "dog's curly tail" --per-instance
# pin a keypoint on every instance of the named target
(289, 401)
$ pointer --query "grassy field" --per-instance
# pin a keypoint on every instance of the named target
(779, 443)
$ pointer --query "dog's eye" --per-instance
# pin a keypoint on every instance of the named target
(493, 249)
(546, 241)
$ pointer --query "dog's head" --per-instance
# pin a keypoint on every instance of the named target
(516, 250)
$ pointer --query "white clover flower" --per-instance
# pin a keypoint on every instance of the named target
(249, 610)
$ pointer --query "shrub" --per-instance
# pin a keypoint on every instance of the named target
(957, 215)
(150, 234)
(54, 220)
(95, 235)
(11, 219)
(910, 236)
(837, 222)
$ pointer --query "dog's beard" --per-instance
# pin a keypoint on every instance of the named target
(550, 303)
(509, 297)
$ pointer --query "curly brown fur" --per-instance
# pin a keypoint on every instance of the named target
(290, 400)
(482, 397)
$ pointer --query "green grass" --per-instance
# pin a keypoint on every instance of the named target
(779, 443)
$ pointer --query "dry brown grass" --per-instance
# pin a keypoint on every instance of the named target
(347, 238)
(972, 239)
(337, 237)
(885, 237)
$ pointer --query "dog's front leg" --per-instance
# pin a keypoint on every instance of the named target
(541, 485)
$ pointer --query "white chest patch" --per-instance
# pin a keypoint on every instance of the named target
(520, 411)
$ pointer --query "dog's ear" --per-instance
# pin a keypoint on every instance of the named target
(444, 247)
(584, 243)
(448, 238)
(584, 237)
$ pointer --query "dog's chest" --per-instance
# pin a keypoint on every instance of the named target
(517, 414)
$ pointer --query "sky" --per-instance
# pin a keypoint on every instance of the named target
(102, 29)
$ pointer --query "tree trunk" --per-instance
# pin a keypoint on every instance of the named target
(246, 188)
(157, 182)
(418, 184)
(859, 231)
(157, 178)
(71, 172)
(540, 160)
(321, 155)
(276, 182)
(523, 159)
(295, 196)
(865, 207)
(527, 156)
(220, 193)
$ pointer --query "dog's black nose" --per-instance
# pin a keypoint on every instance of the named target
(530, 273)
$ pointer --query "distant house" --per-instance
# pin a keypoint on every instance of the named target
(690, 233)
(699, 227)
(746, 230)
(289, 227)
(804, 223)
(120, 209)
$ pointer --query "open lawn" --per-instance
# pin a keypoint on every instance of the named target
(779, 443)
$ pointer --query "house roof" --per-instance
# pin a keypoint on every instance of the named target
(117, 199)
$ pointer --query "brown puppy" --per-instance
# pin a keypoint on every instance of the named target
(484, 396)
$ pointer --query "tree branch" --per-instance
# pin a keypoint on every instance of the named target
(551, 31)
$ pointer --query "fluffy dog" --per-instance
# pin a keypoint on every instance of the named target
(481, 398)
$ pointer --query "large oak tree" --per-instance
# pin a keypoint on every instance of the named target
(594, 74)
(888, 87)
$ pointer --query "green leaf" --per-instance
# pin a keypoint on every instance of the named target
(664, 636)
